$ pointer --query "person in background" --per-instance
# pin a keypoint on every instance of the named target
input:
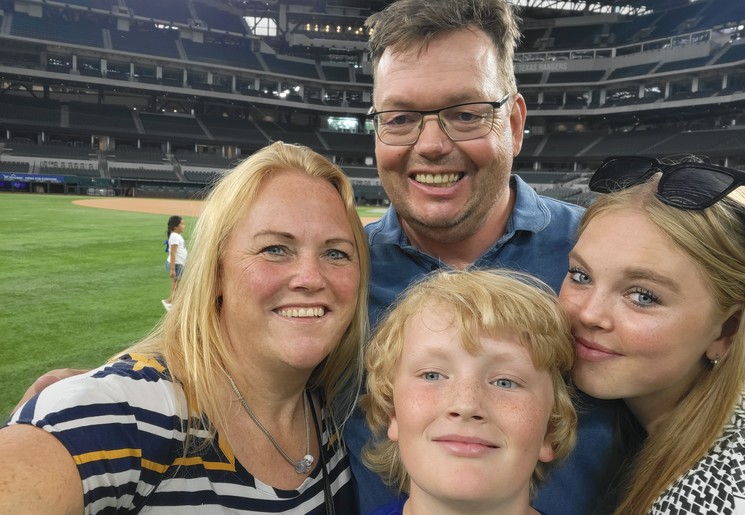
(176, 247)
(656, 293)
(467, 378)
(448, 120)
(235, 401)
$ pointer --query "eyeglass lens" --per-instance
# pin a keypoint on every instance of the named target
(467, 122)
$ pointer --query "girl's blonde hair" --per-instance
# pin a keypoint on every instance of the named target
(190, 337)
(480, 301)
(715, 239)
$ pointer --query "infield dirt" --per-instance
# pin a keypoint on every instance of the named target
(155, 206)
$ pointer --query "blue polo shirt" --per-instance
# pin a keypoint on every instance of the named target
(539, 235)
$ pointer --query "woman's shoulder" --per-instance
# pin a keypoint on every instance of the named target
(727, 455)
(132, 371)
(136, 366)
(716, 484)
(136, 385)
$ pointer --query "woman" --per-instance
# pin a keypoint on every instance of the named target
(233, 403)
(176, 248)
(655, 291)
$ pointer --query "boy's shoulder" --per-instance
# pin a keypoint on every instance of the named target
(393, 508)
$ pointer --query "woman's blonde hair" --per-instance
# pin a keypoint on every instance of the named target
(190, 337)
(715, 239)
(481, 301)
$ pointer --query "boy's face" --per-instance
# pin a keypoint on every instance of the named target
(470, 427)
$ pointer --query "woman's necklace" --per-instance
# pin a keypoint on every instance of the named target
(302, 466)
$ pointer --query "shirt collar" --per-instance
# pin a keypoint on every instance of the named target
(530, 212)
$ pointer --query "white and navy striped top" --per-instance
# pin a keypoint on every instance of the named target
(122, 424)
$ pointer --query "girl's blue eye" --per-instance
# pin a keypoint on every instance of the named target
(579, 276)
(643, 297)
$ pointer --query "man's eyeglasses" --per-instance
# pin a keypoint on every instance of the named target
(460, 122)
(683, 185)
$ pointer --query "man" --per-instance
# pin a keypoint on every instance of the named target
(448, 120)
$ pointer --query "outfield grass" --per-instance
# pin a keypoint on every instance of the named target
(371, 212)
(77, 284)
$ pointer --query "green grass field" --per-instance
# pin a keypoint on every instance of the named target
(372, 212)
(77, 284)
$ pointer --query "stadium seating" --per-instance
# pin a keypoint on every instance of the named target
(13, 166)
(219, 19)
(230, 52)
(133, 87)
(79, 32)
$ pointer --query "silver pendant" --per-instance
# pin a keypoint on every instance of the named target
(303, 466)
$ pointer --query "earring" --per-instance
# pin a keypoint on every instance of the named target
(714, 362)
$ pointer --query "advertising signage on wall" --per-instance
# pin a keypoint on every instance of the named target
(32, 177)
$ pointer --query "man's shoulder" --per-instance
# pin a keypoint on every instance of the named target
(535, 212)
(556, 217)
(556, 205)
(563, 212)
(384, 230)
(562, 205)
(371, 227)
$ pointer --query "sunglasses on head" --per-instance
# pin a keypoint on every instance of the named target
(682, 185)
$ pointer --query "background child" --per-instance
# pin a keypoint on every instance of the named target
(466, 376)
(176, 247)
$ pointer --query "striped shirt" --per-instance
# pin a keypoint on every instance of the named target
(124, 423)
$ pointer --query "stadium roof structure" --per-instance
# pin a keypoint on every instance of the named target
(532, 8)
(620, 6)
(609, 6)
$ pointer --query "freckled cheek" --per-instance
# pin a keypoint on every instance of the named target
(266, 280)
(346, 284)
(566, 298)
(654, 344)
(252, 278)
(526, 423)
(415, 408)
(650, 338)
(572, 302)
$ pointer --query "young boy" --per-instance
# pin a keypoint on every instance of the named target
(466, 376)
